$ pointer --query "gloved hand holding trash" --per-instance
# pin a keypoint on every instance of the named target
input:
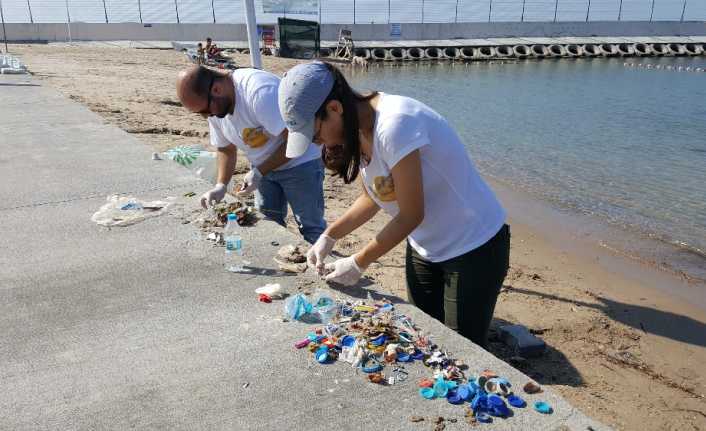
(319, 251)
(344, 271)
(213, 196)
(251, 181)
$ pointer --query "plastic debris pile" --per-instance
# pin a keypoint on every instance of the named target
(291, 258)
(381, 342)
(128, 210)
(10, 65)
(217, 215)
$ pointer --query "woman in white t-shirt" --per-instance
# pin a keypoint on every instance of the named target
(413, 166)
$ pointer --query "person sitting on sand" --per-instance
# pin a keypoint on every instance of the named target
(211, 49)
(414, 166)
(242, 112)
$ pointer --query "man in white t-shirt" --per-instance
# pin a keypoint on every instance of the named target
(243, 113)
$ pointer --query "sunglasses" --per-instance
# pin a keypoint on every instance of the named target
(207, 111)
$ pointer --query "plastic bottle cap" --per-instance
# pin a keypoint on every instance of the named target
(516, 401)
(483, 417)
(464, 392)
(543, 407)
(403, 357)
(495, 401)
(453, 397)
(232, 217)
(440, 388)
(348, 341)
(322, 354)
(418, 355)
(378, 341)
(427, 393)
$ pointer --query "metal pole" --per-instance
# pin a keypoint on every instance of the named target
(139, 9)
(456, 18)
(522, 17)
(422, 11)
(68, 21)
(388, 11)
(213, 9)
(353, 11)
(556, 7)
(105, 11)
(652, 11)
(620, 10)
(176, 7)
(490, 9)
(255, 58)
(4, 35)
(320, 1)
(588, 10)
(29, 7)
(683, 9)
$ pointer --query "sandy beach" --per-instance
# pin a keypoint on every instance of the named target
(621, 346)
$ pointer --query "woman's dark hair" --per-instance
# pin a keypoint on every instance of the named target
(344, 161)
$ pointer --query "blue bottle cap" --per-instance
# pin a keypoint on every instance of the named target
(543, 407)
(495, 401)
(348, 341)
(451, 384)
(427, 393)
(322, 354)
(379, 341)
(453, 397)
(417, 355)
(516, 401)
(483, 417)
(464, 392)
(232, 217)
(403, 357)
(500, 411)
(480, 402)
(440, 388)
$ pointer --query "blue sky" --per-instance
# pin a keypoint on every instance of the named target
(366, 11)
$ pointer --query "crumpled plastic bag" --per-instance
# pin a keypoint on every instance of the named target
(127, 210)
(297, 306)
(322, 308)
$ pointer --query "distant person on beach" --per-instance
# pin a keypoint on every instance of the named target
(414, 166)
(201, 53)
(211, 49)
(242, 112)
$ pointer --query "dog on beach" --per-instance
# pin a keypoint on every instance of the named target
(359, 61)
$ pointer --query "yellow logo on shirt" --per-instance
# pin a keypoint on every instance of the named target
(255, 137)
(384, 188)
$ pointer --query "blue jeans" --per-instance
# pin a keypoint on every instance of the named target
(303, 188)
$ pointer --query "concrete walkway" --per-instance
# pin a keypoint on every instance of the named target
(140, 327)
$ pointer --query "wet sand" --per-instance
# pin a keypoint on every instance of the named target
(622, 346)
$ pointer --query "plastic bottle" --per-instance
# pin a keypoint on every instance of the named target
(234, 245)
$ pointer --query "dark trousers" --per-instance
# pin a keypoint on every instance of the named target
(461, 292)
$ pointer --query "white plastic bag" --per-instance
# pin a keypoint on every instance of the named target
(127, 210)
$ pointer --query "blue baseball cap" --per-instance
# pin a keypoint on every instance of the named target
(302, 91)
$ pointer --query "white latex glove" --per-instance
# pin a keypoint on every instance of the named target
(251, 181)
(214, 195)
(317, 253)
(345, 271)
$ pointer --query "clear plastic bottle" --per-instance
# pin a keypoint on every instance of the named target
(234, 245)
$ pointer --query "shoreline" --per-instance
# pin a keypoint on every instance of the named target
(593, 238)
(620, 346)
